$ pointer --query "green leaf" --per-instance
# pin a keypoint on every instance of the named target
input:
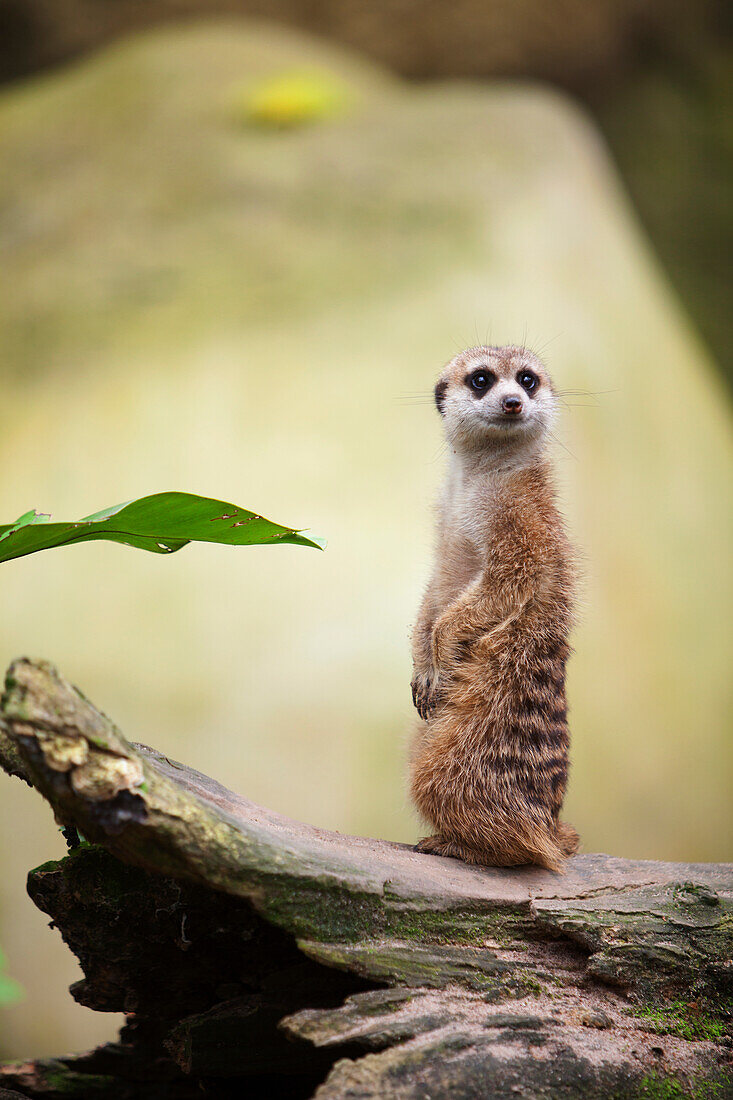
(161, 523)
(31, 517)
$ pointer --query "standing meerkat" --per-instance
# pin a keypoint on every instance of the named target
(489, 760)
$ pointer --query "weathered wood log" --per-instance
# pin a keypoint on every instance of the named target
(251, 952)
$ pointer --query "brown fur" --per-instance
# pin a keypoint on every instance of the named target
(489, 760)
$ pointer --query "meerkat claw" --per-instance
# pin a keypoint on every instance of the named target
(427, 846)
(424, 697)
(427, 694)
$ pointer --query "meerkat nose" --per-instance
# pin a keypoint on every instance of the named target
(511, 405)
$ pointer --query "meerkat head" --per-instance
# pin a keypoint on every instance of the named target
(495, 398)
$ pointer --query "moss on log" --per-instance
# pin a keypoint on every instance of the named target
(253, 952)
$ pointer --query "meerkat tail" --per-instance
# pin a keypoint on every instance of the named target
(567, 838)
(546, 851)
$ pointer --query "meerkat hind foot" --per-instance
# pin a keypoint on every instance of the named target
(435, 846)
(441, 846)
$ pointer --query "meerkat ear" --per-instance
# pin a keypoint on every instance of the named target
(440, 392)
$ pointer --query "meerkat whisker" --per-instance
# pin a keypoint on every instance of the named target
(560, 443)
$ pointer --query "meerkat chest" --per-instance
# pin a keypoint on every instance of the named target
(468, 515)
(462, 555)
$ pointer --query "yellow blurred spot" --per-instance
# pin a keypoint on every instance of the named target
(293, 99)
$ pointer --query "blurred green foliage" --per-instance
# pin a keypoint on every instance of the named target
(10, 991)
(670, 126)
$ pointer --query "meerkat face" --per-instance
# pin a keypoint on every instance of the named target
(491, 396)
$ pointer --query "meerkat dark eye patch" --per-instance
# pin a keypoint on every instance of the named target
(440, 391)
(528, 380)
(480, 381)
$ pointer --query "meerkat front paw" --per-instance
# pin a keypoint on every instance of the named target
(451, 642)
(425, 694)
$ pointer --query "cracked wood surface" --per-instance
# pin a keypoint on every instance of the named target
(134, 800)
(377, 971)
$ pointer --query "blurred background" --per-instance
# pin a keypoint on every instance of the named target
(235, 255)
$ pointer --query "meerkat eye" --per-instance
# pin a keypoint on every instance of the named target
(528, 380)
(480, 381)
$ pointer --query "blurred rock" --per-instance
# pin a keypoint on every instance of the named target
(655, 73)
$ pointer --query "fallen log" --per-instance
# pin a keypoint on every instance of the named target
(254, 955)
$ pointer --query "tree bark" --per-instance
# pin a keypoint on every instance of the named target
(252, 952)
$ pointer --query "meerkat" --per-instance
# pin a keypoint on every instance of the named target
(489, 759)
